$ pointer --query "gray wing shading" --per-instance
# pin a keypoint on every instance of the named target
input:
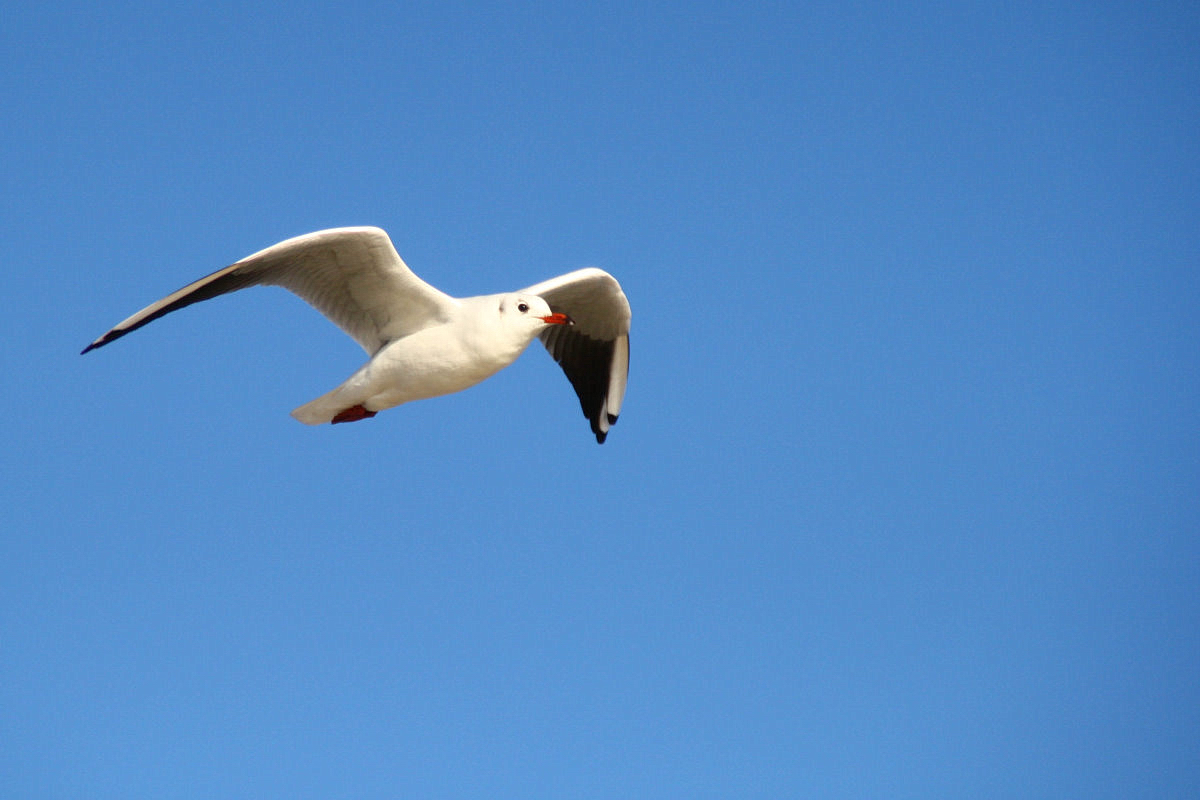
(594, 352)
(353, 276)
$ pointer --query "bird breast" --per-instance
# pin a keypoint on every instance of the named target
(432, 362)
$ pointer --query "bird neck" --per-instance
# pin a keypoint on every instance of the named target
(491, 336)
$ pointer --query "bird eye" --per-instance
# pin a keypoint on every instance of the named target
(522, 307)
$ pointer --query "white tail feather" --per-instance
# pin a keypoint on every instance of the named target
(323, 409)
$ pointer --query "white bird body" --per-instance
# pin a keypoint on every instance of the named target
(423, 343)
(429, 363)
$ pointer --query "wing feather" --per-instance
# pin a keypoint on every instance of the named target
(594, 352)
(353, 276)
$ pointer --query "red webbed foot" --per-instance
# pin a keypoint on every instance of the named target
(352, 414)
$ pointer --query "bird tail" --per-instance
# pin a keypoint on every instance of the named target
(323, 409)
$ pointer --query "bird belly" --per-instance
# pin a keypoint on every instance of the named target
(423, 366)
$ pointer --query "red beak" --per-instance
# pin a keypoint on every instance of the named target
(557, 319)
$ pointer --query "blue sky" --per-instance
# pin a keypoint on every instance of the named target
(903, 501)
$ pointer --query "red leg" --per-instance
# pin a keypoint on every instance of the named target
(352, 414)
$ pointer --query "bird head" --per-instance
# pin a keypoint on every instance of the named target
(531, 311)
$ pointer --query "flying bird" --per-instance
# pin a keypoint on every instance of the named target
(422, 342)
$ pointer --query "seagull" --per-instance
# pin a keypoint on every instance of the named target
(422, 342)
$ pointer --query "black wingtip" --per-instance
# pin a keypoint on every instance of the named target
(103, 340)
(113, 335)
(602, 435)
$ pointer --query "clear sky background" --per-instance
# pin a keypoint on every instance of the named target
(903, 501)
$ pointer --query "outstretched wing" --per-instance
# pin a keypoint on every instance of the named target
(353, 276)
(594, 352)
